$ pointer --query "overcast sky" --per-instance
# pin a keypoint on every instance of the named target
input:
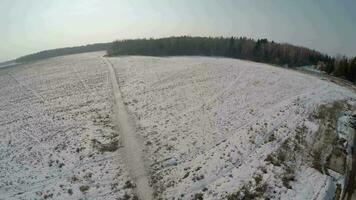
(28, 26)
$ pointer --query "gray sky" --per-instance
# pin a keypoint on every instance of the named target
(28, 26)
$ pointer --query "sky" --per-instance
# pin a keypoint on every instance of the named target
(28, 26)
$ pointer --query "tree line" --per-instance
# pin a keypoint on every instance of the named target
(64, 51)
(261, 50)
(343, 67)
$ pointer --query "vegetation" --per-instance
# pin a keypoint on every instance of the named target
(249, 192)
(84, 188)
(198, 196)
(326, 138)
(261, 50)
(345, 68)
(64, 51)
(111, 146)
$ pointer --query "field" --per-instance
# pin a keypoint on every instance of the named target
(57, 137)
(88, 127)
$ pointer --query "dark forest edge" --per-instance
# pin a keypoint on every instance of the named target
(260, 50)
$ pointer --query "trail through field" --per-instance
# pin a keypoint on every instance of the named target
(57, 136)
(212, 125)
(86, 126)
(132, 146)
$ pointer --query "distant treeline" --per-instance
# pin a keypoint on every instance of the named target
(64, 51)
(344, 68)
(261, 50)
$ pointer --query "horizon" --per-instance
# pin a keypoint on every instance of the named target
(178, 99)
(36, 26)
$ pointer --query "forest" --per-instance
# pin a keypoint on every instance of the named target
(64, 51)
(261, 50)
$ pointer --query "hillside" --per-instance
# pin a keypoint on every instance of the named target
(224, 128)
(64, 51)
(200, 128)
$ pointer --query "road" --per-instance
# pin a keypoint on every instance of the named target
(132, 147)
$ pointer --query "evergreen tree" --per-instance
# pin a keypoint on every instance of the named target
(245, 48)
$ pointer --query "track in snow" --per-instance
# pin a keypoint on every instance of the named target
(132, 147)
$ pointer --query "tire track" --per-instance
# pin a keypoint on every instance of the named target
(132, 147)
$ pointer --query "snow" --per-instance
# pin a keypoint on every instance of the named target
(50, 112)
(207, 121)
(133, 147)
(206, 125)
(311, 185)
(311, 68)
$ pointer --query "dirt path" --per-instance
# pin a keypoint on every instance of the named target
(132, 147)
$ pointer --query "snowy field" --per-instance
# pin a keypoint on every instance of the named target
(209, 125)
(56, 132)
(210, 128)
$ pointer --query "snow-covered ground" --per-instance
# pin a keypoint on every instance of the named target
(56, 131)
(211, 128)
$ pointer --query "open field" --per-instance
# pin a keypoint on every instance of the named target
(211, 128)
(57, 136)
